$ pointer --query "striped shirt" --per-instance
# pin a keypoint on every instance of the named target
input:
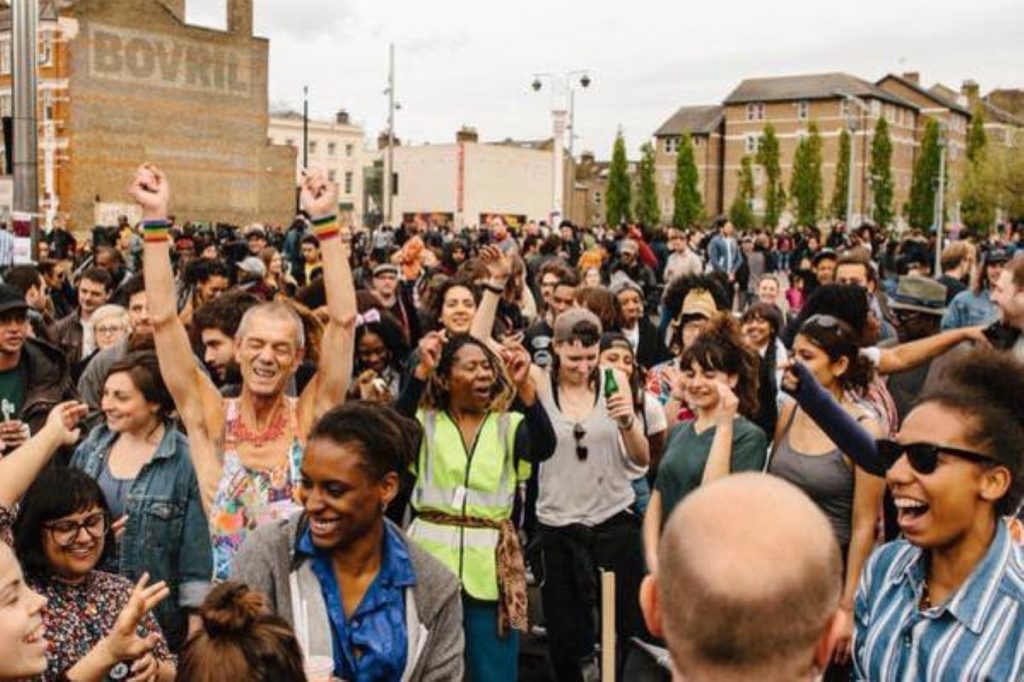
(977, 634)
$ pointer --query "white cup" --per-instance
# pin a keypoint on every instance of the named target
(319, 669)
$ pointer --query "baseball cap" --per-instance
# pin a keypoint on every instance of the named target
(385, 269)
(255, 230)
(998, 256)
(621, 282)
(920, 294)
(698, 303)
(253, 266)
(11, 299)
(566, 324)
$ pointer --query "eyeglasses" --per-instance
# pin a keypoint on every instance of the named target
(64, 533)
(109, 329)
(578, 432)
(924, 457)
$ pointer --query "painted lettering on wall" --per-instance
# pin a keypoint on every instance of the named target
(127, 55)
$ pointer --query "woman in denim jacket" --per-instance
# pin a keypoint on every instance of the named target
(141, 462)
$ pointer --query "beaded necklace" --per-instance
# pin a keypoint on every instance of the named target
(273, 431)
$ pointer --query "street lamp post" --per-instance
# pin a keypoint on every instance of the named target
(560, 87)
(25, 23)
(940, 200)
(851, 124)
(389, 169)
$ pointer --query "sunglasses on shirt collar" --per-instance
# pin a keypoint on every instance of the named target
(924, 457)
(578, 432)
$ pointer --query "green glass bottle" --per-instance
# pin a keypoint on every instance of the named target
(611, 386)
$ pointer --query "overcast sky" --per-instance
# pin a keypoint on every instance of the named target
(470, 62)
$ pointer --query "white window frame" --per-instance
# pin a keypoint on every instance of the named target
(350, 180)
(672, 144)
(755, 111)
(751, 143)
(46, 49)
(803, 110)
(844, 107)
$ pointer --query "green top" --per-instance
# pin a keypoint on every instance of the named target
(686, 453)
(12, 391)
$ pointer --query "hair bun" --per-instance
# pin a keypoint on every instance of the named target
(230, 608)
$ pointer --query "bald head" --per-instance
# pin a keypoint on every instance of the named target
(749, 576)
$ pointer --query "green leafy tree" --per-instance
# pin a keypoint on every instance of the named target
(979, 191)
(647, 210)
(840, 191)
(619, 191)
(774, 194)
(805, 186)
(924, 185)
(740, 213)
(689, 206)
(881, 175)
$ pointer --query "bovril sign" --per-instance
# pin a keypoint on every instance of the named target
(126, 55)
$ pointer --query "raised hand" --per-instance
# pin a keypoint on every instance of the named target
(497, 263)
(151, 190)
(319, 196)
(430, 348)
(63, 421)
(728, 404)
(123, 642)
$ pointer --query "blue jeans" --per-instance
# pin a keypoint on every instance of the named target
(642, 490)
(489, 656)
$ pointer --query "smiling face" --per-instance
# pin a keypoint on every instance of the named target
(373, 353)
(268, 353)
(768, 290)
(757, 332)
(124, 406)
(576, 362)
(699, 386)
(22, 633)
(471, 379)
(457, 310)
(941, 509)
(71, 553)
(342, 501)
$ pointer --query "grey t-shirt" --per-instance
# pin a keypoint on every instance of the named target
(588, 491)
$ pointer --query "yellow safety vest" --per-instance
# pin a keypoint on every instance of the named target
(479, 484)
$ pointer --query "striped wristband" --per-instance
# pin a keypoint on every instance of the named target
(156, 231)
(326, 227)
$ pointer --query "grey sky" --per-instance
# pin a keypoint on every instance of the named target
(471, 62)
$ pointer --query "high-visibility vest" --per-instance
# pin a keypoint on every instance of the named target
(479, 484)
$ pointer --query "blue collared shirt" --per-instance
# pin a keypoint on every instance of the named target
(978, 634)
(371, 645)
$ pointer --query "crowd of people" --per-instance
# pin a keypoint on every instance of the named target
(399, 454)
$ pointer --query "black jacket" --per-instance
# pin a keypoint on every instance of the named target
(48, 382)
(650, 350)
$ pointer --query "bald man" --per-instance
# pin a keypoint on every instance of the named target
(748, 583)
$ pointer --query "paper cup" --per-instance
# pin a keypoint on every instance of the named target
(319, 669)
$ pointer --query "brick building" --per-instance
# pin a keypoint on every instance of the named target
(130, 81)
(706, 126)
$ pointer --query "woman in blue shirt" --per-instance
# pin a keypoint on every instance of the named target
(348, 580)
(141, 462)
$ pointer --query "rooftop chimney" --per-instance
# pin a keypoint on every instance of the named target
(912, 77)
(467, 134)
(342, 117)
(969, 89)
(382, 140)
(240, 17)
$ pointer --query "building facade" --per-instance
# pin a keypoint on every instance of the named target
(467, 182)
(706, 127)
(130, 81)
(336, 146)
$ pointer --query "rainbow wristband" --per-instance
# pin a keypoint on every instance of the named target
(326, 227)
(156, 231)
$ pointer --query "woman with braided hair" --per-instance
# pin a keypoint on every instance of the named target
(483, 427)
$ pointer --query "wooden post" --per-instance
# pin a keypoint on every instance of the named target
(607, 626)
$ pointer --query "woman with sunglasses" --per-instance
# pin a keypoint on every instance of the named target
(62, 534)
(719, 381)
(945, 601)
(141, 462)
(483, 427)
(805, 455)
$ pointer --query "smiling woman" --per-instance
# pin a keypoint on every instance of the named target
(349, 582)
(22, 632)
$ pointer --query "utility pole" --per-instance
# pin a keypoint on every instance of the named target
(305, 126)
(852, 127)
(25, 23)
(940, 200)
(389, 165)
(561, 86)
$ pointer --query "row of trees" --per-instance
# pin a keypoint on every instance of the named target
(994, 179)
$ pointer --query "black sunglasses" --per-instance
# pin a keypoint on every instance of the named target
(924, 457)
(578, 433)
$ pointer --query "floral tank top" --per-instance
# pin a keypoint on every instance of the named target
(247, 498)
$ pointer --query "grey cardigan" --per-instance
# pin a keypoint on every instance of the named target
(433, 606)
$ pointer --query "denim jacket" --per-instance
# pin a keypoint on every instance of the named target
(166, 533)
(968, 309)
